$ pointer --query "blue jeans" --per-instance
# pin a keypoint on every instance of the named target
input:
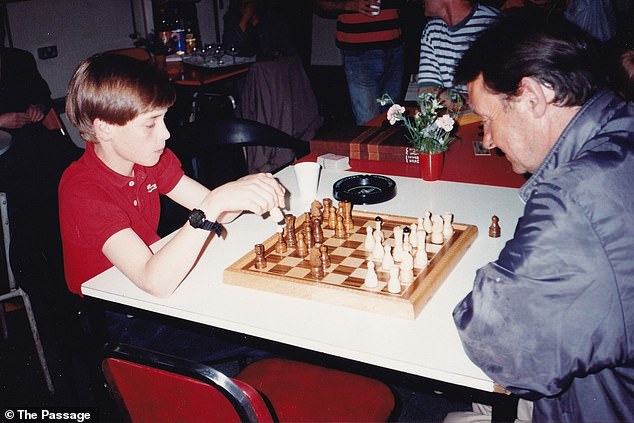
(370, 74)
(201, 347)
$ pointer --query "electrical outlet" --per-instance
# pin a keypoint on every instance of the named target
(47, 52)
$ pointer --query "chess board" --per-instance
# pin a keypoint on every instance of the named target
(343, 281)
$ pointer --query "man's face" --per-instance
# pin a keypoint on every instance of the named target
(141, 140)
(508, 126)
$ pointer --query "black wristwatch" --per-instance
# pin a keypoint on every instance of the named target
(198, 220)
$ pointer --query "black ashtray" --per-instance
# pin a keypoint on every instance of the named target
(364, 189)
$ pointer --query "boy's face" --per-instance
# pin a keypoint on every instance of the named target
(141, 140)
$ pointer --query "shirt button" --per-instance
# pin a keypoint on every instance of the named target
(131, 183)
(135, 203)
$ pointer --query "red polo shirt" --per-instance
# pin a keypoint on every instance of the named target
(95, 202)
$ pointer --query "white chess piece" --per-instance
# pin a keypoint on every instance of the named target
(407, 269)
(447, 230)
(436, 230)
(427, 225)
(407, 245)
(420, 259)
(377, 230)
(388, 261)
(397, 253)
(371, 279)
(413, 235)
(378, 252)
(394, 284)
(369, 239)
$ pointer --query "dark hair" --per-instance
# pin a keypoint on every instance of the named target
(530, 43)
(115, 89)
(625, 75)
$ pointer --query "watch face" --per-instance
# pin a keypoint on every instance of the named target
(196, 218)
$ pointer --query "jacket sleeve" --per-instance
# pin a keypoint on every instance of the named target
(548, 309)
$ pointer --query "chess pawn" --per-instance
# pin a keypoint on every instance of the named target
(327, 203)
(281, 246)
(387, 261)
(260, 261)
(436, 231)
(413, 236)
(347, 216)
(332, 218)
(308, 235)
(340, 229)
(406, 275)
(371, 278)
(427, 223)
(301, 248)
(318, 232)
(378, 223)
(397, 233)
(289, 228)
(494, 229)
(447, 229)
(369, 239)
(397, 253)
(378, 252)
(394, 284)
(421, 238)
(325, 257)
(420, 259)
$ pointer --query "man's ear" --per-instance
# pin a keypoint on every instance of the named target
(103, 130)
(535, 95)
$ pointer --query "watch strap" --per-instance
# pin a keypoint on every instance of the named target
(212, 226)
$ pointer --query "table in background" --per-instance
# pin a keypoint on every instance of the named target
(428, 346)
(195, 76)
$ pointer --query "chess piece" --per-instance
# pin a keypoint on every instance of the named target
(371, 278)
(447, 229)
(327, 203)
(397, 233)
(494, 230)
(340, 229)
(347, 216)
(318, 232)
(260, 261)
(369, 239)
(325, 257)
(413, 236)
(420, 259)
(332, 218)
(436, 230)
(315, 209)
(378, 222)
(394, 284)
(289, 228)
(378, 252)
(301, 247)
(387, 261)
(280, 246)
(308, 233)
(406, 275)
(316, 268)
(427, 224)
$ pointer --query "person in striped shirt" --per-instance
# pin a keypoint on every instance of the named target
(369, 37)
(453, 26)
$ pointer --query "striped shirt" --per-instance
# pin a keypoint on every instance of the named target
(356, 31)
(442, 46)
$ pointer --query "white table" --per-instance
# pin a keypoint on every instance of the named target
(428, 346)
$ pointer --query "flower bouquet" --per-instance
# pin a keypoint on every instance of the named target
(432, 128)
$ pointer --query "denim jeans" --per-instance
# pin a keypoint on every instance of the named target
(370, 74)
(189, 344)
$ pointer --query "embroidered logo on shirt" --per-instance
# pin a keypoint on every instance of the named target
(151, 187)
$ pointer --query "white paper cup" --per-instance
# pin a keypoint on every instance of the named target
(376, 9)
(307, 174)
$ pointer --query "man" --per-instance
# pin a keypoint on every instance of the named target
(551, 320)
(450, 32)
(369, 36)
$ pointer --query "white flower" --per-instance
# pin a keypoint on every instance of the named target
(445, 122)
(395, 113)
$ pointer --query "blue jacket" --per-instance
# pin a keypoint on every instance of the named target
(552, 319)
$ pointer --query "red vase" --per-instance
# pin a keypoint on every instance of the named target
(431, 165)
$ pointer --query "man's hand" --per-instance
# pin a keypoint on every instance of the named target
(14, 120)
(364, 6)
(35, 112)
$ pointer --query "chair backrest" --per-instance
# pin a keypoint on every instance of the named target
(153, 387)
(6, 243)
(245, 132)
(134, 52)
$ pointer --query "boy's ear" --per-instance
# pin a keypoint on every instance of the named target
(103, 130)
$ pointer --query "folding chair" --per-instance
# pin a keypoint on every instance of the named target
(153, 387)
(14, 291)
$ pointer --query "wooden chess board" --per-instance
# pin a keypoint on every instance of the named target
(343, 281)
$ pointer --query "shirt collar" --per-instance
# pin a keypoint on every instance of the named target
(110, 176)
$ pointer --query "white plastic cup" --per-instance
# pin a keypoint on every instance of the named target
(376, 8)
(307, 174)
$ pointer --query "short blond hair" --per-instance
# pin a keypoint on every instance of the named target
(115, 89)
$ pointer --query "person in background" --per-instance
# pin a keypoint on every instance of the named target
(624, 79)
(369, 37)
(453, 26)
(257, 27)
(550, 320)
(109, 200)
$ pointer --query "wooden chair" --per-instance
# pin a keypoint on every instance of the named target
(152, 387)
(14, 292)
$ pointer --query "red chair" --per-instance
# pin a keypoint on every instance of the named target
(152, 387)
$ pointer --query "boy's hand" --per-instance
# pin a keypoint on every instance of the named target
(258, 193)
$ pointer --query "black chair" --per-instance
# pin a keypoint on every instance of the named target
(218, 147)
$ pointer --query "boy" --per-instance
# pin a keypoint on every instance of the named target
(109, 198)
